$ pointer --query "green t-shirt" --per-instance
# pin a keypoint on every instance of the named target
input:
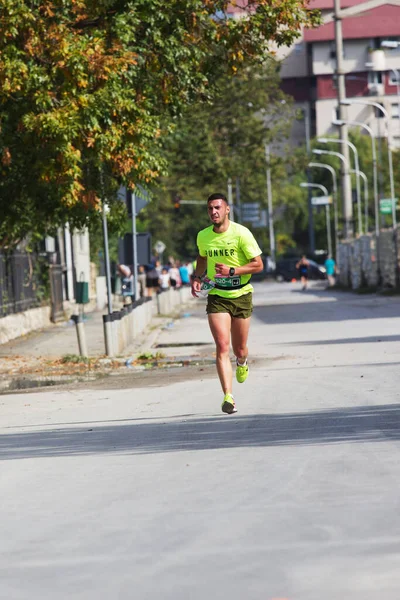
(234, 248)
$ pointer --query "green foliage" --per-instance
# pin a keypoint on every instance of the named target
(88, 90)
(75, 359)
(213, 142)
(150, 356)
(41, 278)
(284, 243)
(296, 198)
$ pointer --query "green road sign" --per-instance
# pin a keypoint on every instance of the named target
(385, 205)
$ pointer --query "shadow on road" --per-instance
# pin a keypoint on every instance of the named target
(314, 311)
(350, 340)
(356, 425)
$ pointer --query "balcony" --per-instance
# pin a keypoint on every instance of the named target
(376, 60)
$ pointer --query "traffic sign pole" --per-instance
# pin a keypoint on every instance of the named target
(134, 242)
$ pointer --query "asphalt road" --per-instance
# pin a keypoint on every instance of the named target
(150, 492)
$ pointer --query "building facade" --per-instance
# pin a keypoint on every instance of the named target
(371, 45)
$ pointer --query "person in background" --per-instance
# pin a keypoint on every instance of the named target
(152, 281)
(158, 267)
(175, 276)
(184, 273)
(330, 266)
(124, 271)
(127, 283)
(164, 280)
(142, 280)
(303, 266)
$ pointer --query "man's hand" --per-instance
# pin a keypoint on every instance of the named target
(196, 287)
(222, 270)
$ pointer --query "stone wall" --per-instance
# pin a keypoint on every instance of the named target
(364, 264)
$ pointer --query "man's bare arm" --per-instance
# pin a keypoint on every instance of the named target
(254, 266)
(201, 265)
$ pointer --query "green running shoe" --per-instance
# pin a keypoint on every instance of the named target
(228, 405)
(242, 372)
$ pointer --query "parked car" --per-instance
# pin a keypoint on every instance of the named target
(286, 270)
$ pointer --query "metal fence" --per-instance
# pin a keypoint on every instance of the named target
(24, 282)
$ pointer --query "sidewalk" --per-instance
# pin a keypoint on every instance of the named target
(52, 353)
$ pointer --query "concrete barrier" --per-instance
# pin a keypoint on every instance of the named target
(129, 322)
(120, 328)
(368, 262)
(14, 326)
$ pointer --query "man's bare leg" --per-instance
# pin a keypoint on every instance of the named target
(240, 333)
(220, 325)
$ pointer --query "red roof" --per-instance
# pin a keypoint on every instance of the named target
(328, 4)
(238, 5)
(383, 21)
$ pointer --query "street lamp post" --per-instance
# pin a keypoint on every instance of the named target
(270, 205)
(389, 142)
(366, 201)
(327, 211)
(357, 168)
(392, 44)
(374, 168)
(311, 235)
(335, 200)
(397, 74)
(332, 153)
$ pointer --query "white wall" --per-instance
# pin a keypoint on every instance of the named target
(325, 112)
(294, 60)
(355, 56)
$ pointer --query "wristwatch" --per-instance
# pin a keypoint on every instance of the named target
(231, 271)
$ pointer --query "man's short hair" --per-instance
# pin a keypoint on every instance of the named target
(217, 197)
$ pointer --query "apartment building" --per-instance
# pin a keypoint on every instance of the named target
(371, 43)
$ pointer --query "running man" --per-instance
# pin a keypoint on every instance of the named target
(303, 266)
(230, 255)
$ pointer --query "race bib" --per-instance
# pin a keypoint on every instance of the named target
(227, 282)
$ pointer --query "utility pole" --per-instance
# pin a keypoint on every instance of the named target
(311, 233)
(134, 248)
(270, 208)
(106, 210)
(341, 94)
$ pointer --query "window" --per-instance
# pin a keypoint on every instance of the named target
(375, 85)
(374, 77)
(394, 77)
(332, 51)
(395, 110)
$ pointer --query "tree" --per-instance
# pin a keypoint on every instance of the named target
(88, 89)
(213, 142)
